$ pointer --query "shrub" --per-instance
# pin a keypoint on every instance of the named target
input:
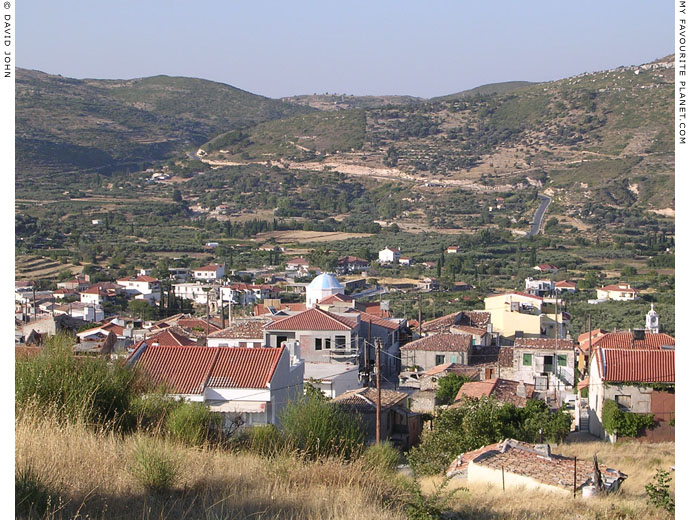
(626, 424)
(89, 389)
(318, 428)
(192, 423)
(382, 456)
(30, 492)
(154, 466)
(657, 491)
(433, 507)
(448, 387)
(151, 412)
(265, 440)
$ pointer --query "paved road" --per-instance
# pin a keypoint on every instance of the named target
(539, 216)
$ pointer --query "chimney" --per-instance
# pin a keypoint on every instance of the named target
(294, 350)
(521, 391)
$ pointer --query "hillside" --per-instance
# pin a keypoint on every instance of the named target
(331, 102)
(65, 124)
(603, 136)
(486, 90)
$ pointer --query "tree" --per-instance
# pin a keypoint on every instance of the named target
(177, 196)
(448, 387)
(141, 308)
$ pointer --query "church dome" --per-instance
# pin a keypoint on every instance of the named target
(325, 281)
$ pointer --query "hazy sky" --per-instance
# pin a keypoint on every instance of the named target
(282, 48)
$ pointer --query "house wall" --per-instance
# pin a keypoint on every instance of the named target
(338, 385)
(526, 374)
(476, 473)
(234, 342)
(287, 385)
(507, 323)
(426, 359)
(307, 341)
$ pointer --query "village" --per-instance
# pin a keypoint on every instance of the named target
(246, 354)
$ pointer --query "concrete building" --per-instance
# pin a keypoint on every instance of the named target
(635, 379)
(322, 287)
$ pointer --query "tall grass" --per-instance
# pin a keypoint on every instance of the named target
(88, 389)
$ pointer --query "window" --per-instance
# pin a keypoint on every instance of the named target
(440, 359)
(624, 401)
(328, 344)
(527, 360)
(562, 360)
(340, 342)
(317, 344)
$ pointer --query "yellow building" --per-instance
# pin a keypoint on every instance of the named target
(521, 314)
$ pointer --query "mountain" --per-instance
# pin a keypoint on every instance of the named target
(596, 138)
(331, 102)
(65, 124)
(485, 90)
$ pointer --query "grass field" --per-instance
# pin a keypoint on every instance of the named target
(89, 475)
(296, 236)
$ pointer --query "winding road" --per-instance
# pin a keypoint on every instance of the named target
(539, 216)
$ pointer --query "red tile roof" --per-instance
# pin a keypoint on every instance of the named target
(595, 334)
(260, 309)
(626, 340)
(544, 343)
(336, 298)
(351, 260)
(624, 287)
(188, 370)
(566, 283)
(251, 328)
(298, 261)
(504, 390)
(441, 343)
(524, 459)
(140, 278)
(170, 338)
(479, 319)
(375, 320)
(197, 323)
(469, 330)
(363, 399)
(638, 366)
(313, 319)
(210, 267)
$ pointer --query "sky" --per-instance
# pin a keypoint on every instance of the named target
(406, 47)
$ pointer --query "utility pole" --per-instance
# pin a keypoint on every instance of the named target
(419, 305)
(378, 390)
(222, 311)
(35, 306)
(575, 479)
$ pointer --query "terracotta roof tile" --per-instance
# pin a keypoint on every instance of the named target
(188, 370)
(625, 340)
(503, 390)
(250, 328)
(523, 459)
(209, 268)
(441, 342)
(312, 319)
(544, 343)
(364, 399)
(639, 366)
(376, 320)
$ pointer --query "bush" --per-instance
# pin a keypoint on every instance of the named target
(448, 387)
(318, 428)
(154, 466)
(86, 389)
(193, 423)
(265, 440)
(382, 456)
(479, 422)
(657, 491)
(151, 412)
(626, 424)
(31, 494)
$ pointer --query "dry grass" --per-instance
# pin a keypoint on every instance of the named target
(90, 472)
(638, 460)
(287, 237)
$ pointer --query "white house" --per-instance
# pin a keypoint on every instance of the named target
(210, 272)
(246, 385)
(297, 264)
(192, 291)
(565, 286)
(141, 287)
(538, 287)
(389, 255)
(405, 260)
(618, 292)
(333, 379)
